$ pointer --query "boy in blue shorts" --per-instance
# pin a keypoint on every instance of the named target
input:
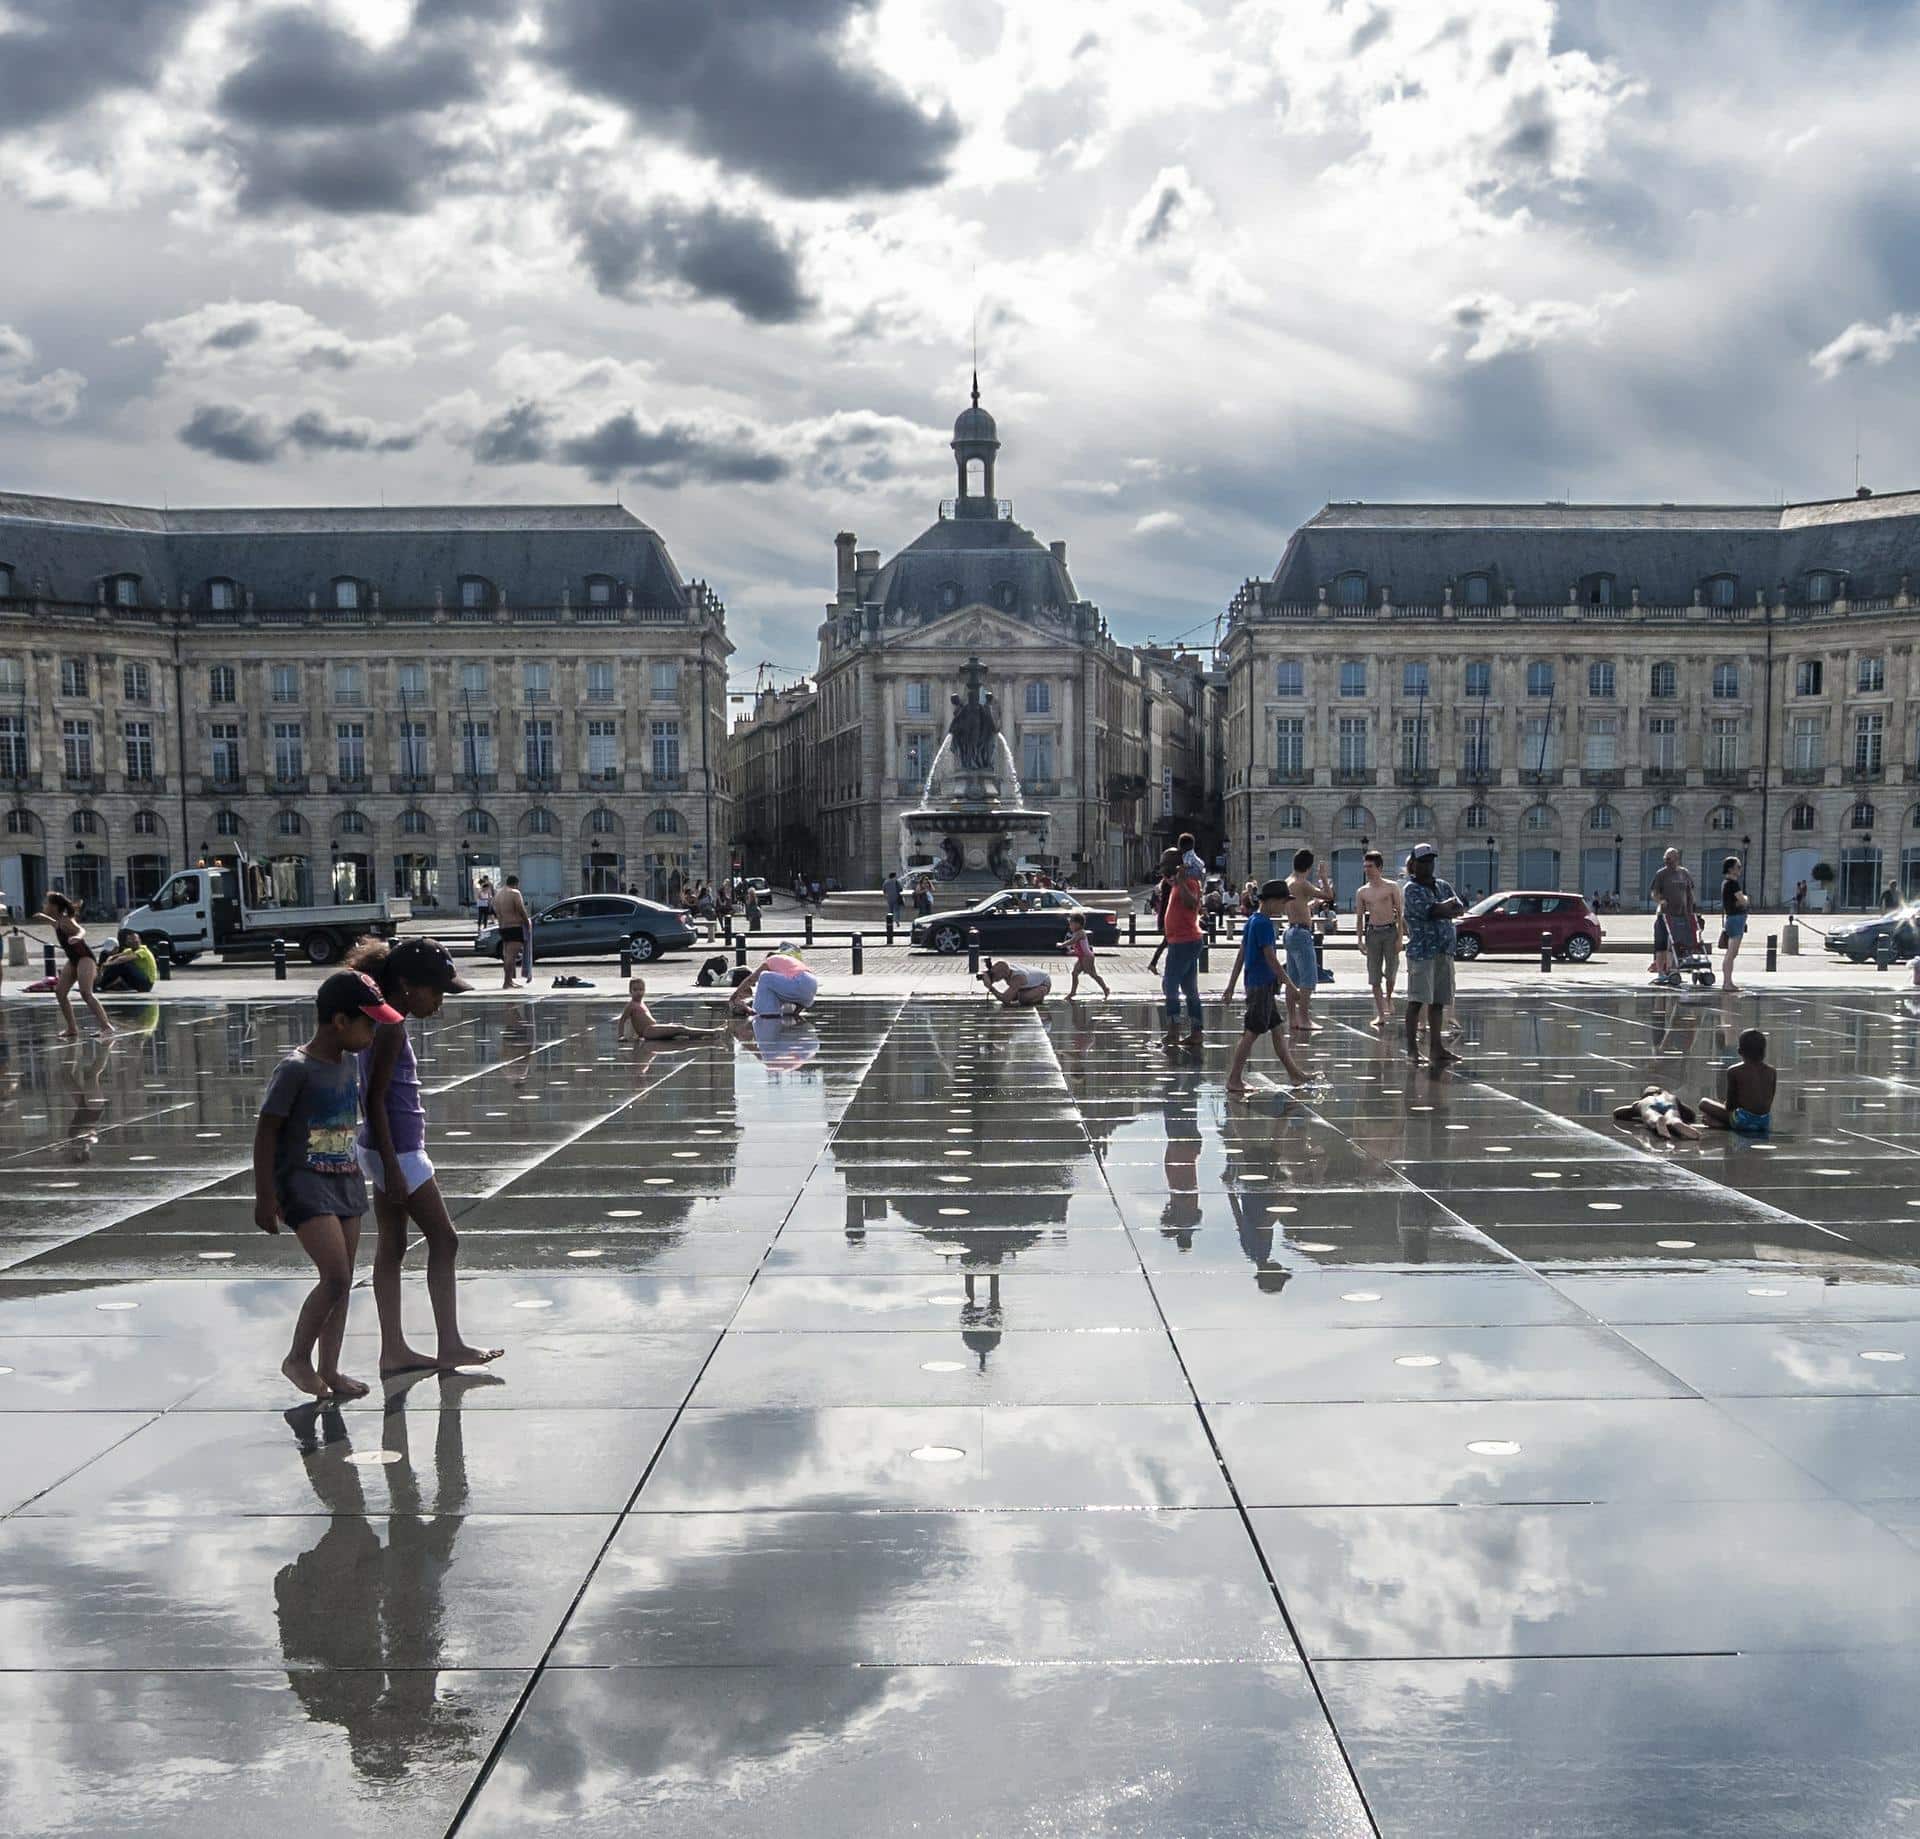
(1748, 1086)
(1260, 953)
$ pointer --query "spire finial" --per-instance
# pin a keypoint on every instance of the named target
(976, 389)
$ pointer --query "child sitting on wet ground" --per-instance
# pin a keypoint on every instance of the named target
(1747, 1086)
(1660, 1114)
(637, 1016)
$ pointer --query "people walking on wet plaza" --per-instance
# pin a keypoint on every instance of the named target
(896, 902)
(510, 911)
(1306, 894)
(1660, 1114)
(1377, 908)
(1733, 918)
(1259, 954)
(415, 976)
(1429, 906)
(1080, 945)
(646, 1027)
(1747, 1089)
(81, 967)
(1180, 927)
(1675, 921)
(1015, 986)
(306, 1174)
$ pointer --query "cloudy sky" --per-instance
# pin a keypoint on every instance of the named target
(1228, 259)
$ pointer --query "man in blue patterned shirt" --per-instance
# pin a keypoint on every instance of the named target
(1430, 906)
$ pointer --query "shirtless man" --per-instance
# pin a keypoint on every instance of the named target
(510, 915)
(1377, 906)
(1305, 892)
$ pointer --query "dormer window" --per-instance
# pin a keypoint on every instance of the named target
(1350, 589)
(6, 582)
(949, 596)
(1819, 587)
(1476, 591)
(346, 594)
(123, 590)
(1597, 590)
(599, 590)
(476, 592)
(1721, 590)
(1006, 596)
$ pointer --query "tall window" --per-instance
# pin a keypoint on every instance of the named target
(223, 752)
(1819, 587)
(1290, 744)
(599, 680)
(413, 750)
(1289, 678)
(1036, 757)
(1809, 677)
(1807, 744)
(1722, 591)
(1861, 816)
(1353, 677)
(349, 684)
(350, 746)
(73, 676)
(13, 746)
(76, 749)
(139, 736)
(1039, 698)
(1872, 675)
(666, 748)
(136, 683)
(1477, 751)
(1600, 679)
(539, 739)
(1726, 682)
(476, 680)
(1353, 743)
(1663, 743)
(916, 758)
(1479, 678)
(663, 680)
(536, 681)
(1602, 744)
(1665, 681)
(289, 752)
(1540, 678)
(1868, 742)
(475, 593)
(1351, 590)
(1723, 744)
(1539, 746)
(603, 749)
(284, 683)
(1476, 590)
(346, 594)
(410, 683)
(220, 596)
(476, 747)
(221, 684)
(1413, 677)
(1414, 755)
(126, 590)
(13, 677)
(919, 697)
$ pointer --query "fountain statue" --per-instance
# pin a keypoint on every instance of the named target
(971, 836)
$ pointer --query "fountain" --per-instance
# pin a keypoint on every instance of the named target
(971, 838)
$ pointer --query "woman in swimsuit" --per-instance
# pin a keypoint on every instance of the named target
(81, 968)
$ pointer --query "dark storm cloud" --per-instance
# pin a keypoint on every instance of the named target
(666, 454)
(1532, 134)
(766, 86)
(241, 333)
(517, 436)
(734, 256)
(251, 439)
(483, 12)
(348, 174)
(304, 73)
(78, 50)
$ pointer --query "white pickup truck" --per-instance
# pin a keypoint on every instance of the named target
(206, 909)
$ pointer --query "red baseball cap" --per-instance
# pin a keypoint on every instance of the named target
(351, 993)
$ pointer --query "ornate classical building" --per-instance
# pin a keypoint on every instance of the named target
(774, 752)
(1102, 737)
(1555, 694)
(363, 700)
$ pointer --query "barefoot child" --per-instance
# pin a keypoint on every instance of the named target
(1747, 1086)
(1260, 954)
(1660, 1114)
(415, 976)
(637, 1016)
(304, 1171)
(1081, 946)
(81, 966)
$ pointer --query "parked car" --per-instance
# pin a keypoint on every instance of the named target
(1514, 922)
(597, 926)
(1028, 919)
(1861, 940)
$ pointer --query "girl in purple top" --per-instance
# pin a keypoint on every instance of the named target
(415, 976)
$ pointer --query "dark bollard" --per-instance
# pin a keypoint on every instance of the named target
(626, 961)
(973, 951)
(889, 928)
(279, 960)
(163, 959)
(859, 953)
(809, 928)
(1773, 952)
(1206, 957)
(740, 954)
(1133, 927)
(1546, 951)
(47, 957)
(1319, 958)
(1883, 952)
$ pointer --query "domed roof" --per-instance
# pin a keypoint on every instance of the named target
(975, 424)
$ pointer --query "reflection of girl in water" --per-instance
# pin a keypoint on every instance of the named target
(90, 1105)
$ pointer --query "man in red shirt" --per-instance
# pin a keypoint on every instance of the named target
(1180, 926)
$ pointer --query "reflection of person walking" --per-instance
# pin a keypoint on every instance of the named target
(1430, 906)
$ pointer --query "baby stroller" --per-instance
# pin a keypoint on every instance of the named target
(1687, 953)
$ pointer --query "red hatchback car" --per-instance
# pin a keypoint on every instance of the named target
(1514, 922)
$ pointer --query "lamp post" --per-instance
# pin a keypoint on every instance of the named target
(1618, 866)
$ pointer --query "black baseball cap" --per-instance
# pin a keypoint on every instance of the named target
(354, 993)
(1273, 890)
(425, 961)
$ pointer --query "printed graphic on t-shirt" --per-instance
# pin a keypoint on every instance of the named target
(330, 1132)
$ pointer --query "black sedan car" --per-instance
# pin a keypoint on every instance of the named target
(1015, 919)
(597, 926)
(1861, 940)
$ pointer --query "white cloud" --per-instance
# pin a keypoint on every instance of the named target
(1493, 325)
(275, 336)
(1159, 523)
(50, 398)
(1863, 343)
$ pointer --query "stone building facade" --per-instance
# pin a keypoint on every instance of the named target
(774, 757)
(362, 701)
(1088, 722)
(1555, 694)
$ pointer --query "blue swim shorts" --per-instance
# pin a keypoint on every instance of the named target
(1750, 1123)
(1303, 968)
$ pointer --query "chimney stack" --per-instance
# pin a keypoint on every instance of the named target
(1059, 553)
(843, 567)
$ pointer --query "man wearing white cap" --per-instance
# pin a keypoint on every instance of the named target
(1430, 906)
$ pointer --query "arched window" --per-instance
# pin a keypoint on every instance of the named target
(1665, 682)
(1913, 818)
(1861, 816)
(1290, 817)
(1661, 817)
(20, 823)
(1476, 590)
(1477, 817)
(351, 823)
(289, 823)
(602, 822)
(1356, 817)
(1601, 817)
(146, 823)
(1722, 590)
(1416, 819)
(1723, 817)
(227, 823)
(1350, 589)
(664, 823)
(414, 822)
(87, 823)
(477, 823)
(1540, 817)
(1006, 596)
(949, 596)
(538, 822)
(346, 593)
(1801, 817)
(1819, 586)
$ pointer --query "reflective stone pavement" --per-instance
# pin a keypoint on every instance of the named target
(948, 1421)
